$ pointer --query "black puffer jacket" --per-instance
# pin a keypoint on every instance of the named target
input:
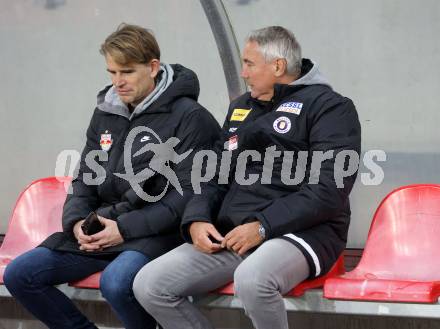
(148, 227)
(306, 116)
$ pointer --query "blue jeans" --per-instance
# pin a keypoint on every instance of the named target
(31, 277)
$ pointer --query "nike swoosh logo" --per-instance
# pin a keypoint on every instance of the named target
(145, 138)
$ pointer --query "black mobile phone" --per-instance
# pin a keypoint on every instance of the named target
(91, 224)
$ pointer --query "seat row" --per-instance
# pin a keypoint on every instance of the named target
(399, 262)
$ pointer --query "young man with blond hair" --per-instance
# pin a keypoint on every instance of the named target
(148, 102)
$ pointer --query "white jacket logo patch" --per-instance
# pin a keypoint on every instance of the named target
(291, 107)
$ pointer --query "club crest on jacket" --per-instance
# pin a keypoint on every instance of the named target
(282, 125)
(106, 141)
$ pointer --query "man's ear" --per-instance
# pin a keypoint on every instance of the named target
(155, 67)
(280, 67)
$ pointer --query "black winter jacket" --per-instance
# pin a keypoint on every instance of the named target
(306, 116)
(151, 228)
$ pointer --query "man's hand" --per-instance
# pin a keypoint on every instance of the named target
(108, 237)
(243, 237)
(200, 234)
(79, 234)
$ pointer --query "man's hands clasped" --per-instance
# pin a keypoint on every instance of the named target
(204, 235)
(207, 239)
(243, 237)
(108, 237)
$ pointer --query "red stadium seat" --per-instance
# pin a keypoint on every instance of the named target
(337, 269)
(400, 262)
(91, 282)
(36, 215)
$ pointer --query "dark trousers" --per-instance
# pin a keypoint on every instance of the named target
(31, 277)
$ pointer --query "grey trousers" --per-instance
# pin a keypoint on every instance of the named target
(260, 280)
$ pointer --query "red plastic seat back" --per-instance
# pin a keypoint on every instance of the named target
(403, 242)
(36, 215)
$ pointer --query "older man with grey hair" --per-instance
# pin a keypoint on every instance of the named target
(271, 233)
